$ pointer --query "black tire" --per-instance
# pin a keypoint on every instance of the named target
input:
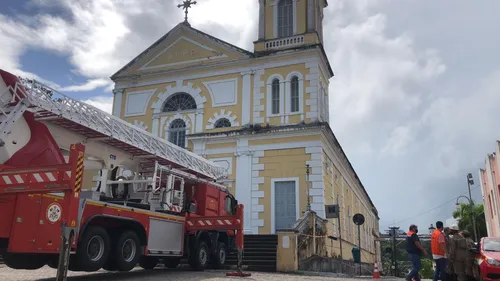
(147, 262)
(53, 261)
(25, 261)
(126, 251)
(199, 258)
(220, 257)
(171, 262)
(93, 249)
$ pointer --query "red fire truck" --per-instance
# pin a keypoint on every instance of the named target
(153, 201)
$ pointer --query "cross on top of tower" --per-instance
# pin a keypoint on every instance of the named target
(185, 6)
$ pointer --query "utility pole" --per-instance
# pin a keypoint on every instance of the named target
(393, 231)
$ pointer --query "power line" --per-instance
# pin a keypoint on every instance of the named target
(430, 210)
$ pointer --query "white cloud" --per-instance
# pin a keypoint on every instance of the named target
(102, 102)
(88, 86)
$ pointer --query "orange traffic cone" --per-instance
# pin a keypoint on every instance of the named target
(376, 274)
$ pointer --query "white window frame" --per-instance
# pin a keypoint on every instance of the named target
(275, 5)
(269, 95)
(273, 207)
(288, 88)
(168, 121)
(178, 130)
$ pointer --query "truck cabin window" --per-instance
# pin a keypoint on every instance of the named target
(229, 205)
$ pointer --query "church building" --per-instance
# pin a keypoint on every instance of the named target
(261, 114)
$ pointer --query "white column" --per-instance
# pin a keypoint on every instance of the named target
(262, 26)
(310, 15)
(294, 17)
(245, 100)
(199, 122)
(244, 186)
(117, 103)
(156, 125)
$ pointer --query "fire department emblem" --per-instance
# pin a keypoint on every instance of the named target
(54, 212)
(211, 204)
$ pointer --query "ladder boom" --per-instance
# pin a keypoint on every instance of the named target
(48, 105)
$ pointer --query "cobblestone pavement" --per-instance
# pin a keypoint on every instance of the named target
(47, 274)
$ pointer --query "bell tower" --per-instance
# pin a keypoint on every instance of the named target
(285, 24)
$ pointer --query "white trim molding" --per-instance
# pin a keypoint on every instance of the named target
(223, 114)
(167, 120)
(140, 124)
(243, 181)
(225, 162)
(226, 87)
(254, 64)
(258, 95)
(273, 195)
(310, 15)
(184, 53)
(246, 96)
(117, 101)
(257, 182)
(269, 96)
(288, 95)
(312, 90)
(262, 26)
(179, 88)
(137, 102)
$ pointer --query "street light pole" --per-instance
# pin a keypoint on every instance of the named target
(470, 181)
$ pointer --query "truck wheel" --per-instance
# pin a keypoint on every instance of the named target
(126, 252)
(220, 256)
(93, 249)
(148, 262)
(171, 262)
(199, 260)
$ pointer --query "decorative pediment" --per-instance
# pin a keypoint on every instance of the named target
(182, 47)
(225, 116)
(183, 51)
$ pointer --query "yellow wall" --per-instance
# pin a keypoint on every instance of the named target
(352, 202)
(282, 163)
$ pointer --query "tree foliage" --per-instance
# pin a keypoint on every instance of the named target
(464, 213)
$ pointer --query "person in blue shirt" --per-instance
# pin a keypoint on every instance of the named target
(415, 253)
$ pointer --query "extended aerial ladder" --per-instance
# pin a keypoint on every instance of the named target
(109, 142)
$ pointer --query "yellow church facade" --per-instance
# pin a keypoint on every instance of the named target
(263, 115)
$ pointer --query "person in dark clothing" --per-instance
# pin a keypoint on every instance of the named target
(415, 253)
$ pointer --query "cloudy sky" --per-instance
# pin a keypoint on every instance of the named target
(414, 100)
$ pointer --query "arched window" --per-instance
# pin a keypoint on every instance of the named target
(177, 133)
(285, 18)
(179, 102)
(275, 98)
(222, 123)
(294, 95)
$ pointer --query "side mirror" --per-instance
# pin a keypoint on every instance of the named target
(474, 250)
(235, 205)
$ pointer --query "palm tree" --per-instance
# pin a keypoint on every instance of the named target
(463, 215)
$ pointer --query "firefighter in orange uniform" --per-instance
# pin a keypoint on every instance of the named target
(438, 248)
